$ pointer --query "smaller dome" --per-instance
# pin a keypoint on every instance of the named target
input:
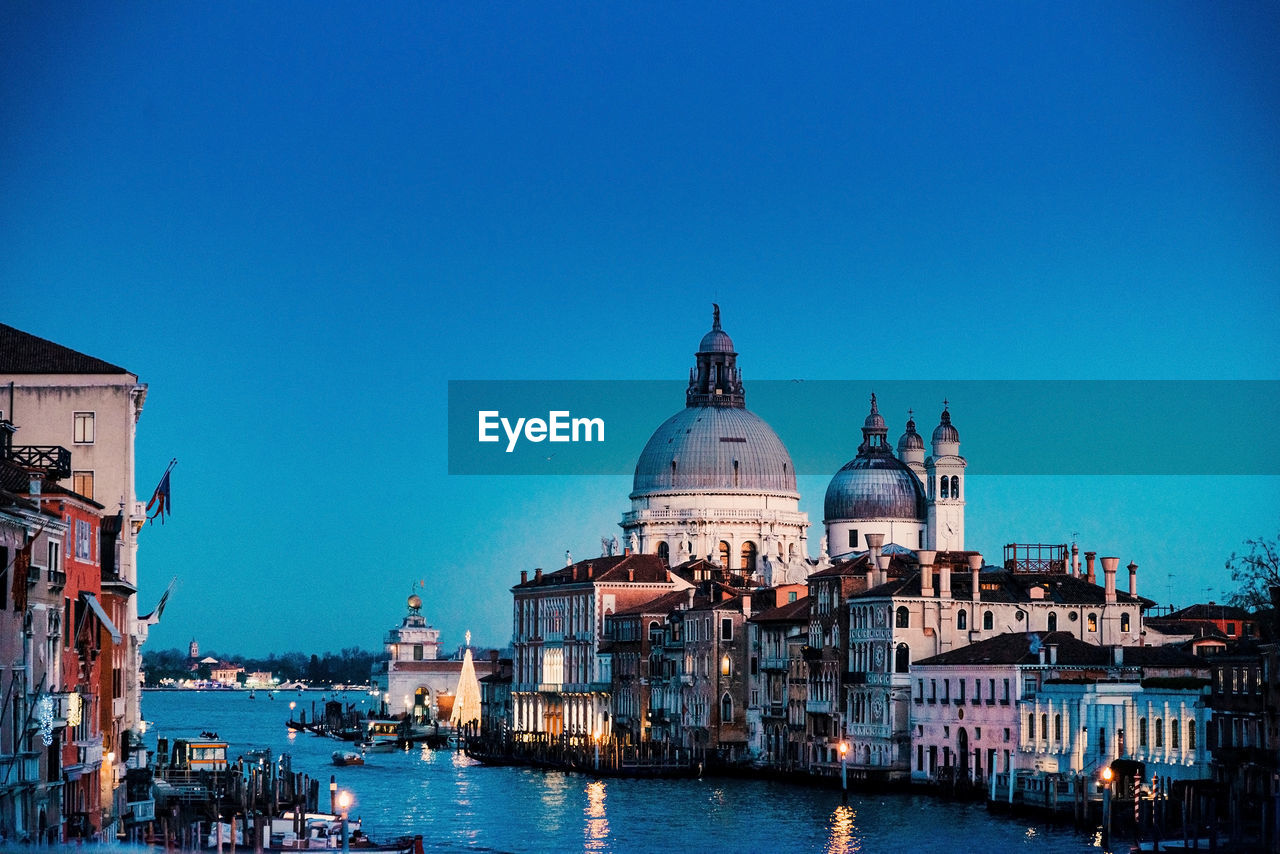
(415, 602)
(875, 421)
(945, 431)
(716, 341)
(910, 440)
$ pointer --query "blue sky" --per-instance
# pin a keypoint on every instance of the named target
(297, 222)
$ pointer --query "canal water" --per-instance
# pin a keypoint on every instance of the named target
(458, 805)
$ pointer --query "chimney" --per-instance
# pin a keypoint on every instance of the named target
(1053, 652)
(874, 542)
(1088, 563)
(591, 570)
(524, 576)
(884, 566)
(626, 551)
(926, 557)
(1075, 559)
(691, 593)
(746, 604)
(1044, 655)
(537, 574)
(493, 657)
(33, 488)
(944, 581)
(975, 567)
(631, 573)
(575, 572)
(1133, 578)
(1109, 565)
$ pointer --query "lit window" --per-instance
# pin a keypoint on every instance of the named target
(1124, 622)
(1093, 622)
(82, 483)
(903, 618)
(83, 429)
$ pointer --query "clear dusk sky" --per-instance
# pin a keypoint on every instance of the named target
(298, 221)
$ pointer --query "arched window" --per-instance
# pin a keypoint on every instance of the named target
(1031, 726)
(724, 554)
(955, 486)
(1191, 734)
(1093, 622)
(962, 620)
(664, 552)
(943, 491)
(1053, 621)
(902, 618)
(726, 708)
(902, 659)
(1044, 727)
(1124, 622)
(749, 557)
(1159, 727)
(1142, 732)
(1175, 729)
(1057, 727)
(988, 621)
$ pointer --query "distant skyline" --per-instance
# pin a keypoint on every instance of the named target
(297, 223)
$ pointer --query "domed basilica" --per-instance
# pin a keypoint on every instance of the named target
(714, 481)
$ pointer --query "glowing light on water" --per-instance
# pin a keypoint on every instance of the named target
(596, 828)
(840, 840)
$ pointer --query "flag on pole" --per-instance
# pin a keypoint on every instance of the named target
(161, 499)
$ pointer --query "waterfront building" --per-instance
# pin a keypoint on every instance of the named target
(714, 481)
(898, 620)
(713, 707)
(60, 397)
(33, 646)
(411, 677)
(495, 700)
(562, 683)
(633, 639)
(826, 653)
(1050, 706)
(778, 635)
(1243, 735)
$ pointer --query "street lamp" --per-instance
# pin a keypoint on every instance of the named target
(344, 801)
(844, 773)
(1107, 776)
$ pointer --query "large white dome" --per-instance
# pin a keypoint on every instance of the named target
(714, 449)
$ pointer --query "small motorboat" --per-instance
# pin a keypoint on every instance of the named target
(343, 758)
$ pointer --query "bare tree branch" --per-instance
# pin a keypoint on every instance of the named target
(1255, 573)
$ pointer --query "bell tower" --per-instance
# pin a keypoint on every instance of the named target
(944, 487)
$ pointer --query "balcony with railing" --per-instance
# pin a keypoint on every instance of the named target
(820, 707)
(697, 514)
(51, 460)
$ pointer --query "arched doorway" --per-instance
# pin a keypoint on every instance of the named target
(421, 711)
(962, 751)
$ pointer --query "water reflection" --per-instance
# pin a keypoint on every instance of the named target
(840, 839)
(596, 829)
